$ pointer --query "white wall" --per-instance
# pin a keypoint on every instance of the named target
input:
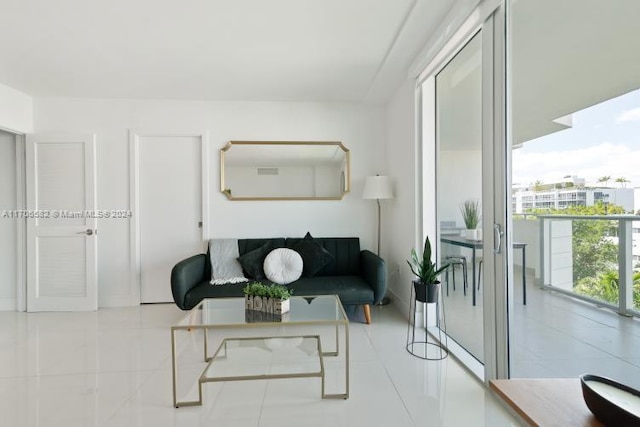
(459, 179)
(399, 231)
(8, 226)
(360, 128)
(16, 110)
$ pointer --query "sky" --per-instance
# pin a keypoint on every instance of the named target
(604, 140)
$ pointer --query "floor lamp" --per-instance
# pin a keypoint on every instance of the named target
(379, 188)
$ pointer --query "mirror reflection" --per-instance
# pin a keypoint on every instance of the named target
(459, 138)
(284, 170)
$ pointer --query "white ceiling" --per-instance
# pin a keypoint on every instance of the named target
(583, 53)
(298, 50)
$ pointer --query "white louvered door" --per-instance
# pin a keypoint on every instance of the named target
(61, 223)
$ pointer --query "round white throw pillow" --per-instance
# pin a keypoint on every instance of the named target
(283, 266)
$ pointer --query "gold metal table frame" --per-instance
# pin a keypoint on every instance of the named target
(332, 313)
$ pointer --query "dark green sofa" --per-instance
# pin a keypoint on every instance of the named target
(357, 277)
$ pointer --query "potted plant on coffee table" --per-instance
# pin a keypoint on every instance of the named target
(426, 271)
(268, 298)
(470, 210)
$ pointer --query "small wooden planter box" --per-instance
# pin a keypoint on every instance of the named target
(267, 305)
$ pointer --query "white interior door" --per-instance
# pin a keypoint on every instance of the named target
(61, 223)
(169, 208)
(8, 224)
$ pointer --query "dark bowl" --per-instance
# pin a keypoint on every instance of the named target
(608, 409)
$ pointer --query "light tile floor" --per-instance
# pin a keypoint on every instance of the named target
(113, 368)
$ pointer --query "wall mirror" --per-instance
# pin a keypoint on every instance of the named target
(284, 170)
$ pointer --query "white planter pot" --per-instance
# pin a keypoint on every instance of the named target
(473, 234)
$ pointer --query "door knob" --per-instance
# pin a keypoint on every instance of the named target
(88, 232)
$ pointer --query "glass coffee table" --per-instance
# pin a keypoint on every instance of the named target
(251, 346)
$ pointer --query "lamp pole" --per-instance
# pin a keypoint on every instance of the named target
(378, 187)
(378, 251)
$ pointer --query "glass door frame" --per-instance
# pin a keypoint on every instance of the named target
(489, 17)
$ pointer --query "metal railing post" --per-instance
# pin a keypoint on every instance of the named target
(545, 250)
(625, 266)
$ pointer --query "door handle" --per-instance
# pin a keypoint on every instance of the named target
(497, 240)
(88, 232)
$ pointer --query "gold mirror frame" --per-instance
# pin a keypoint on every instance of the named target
(344, 179)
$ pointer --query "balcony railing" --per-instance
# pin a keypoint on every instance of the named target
(590, 257)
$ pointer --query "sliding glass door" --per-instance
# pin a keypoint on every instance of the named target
(552, 165)
(459, 194)
(462, 109)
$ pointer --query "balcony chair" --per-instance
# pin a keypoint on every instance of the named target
(453, 261)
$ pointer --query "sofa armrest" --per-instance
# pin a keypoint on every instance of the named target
(185, 275)
(374, 272)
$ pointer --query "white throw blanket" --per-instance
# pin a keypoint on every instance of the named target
(225, 267)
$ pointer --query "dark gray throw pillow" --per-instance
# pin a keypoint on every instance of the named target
(314, 256)
(252, 261)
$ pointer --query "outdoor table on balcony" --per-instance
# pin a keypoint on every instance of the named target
(477, 244)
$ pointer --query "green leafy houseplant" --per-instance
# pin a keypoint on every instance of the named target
(270, 291)
(470, 210)
(427, 273)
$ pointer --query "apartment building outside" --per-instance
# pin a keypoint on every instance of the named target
(559, 198)
(565, 194)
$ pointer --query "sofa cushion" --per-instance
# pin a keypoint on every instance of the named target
(247, 245)
(345, 252)
(350, 289)
(252, 262)
(207, 290)
(283, 266)
(314, 256)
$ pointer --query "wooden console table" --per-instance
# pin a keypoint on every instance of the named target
(546, 402)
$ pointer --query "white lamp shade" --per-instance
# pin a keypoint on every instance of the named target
(377, 187)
